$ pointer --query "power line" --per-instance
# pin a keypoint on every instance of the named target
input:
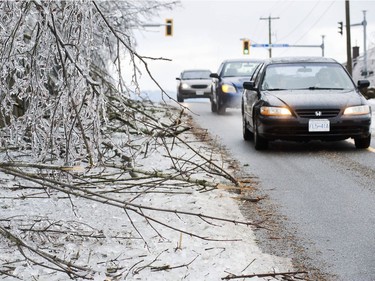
(300, 23)
(315, 23)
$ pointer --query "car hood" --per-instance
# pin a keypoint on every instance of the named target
(300, 99)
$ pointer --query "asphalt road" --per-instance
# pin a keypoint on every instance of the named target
(324, 194)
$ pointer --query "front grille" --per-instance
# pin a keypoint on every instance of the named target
(199, 86)
(317, 113)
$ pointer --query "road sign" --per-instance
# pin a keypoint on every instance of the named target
(270, 45)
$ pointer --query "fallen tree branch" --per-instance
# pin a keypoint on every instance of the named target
(260, 275)
(68, 267)
(94, 196)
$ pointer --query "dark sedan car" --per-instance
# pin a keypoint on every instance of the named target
(302, 99)
(194, 83)
(227, 83)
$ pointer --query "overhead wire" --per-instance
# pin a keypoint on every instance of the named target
(316, 22)
(281, 9)
(301, 22)
(311, 27)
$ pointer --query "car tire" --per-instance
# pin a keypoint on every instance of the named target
(362, 143)
(260, 143)
(213, 106)
(220, 109)
(247, 135)
(180, 99)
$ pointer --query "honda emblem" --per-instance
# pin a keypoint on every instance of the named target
(318, 113)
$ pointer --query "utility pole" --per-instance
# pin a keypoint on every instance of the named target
(348, 39)
(364, 43)
(269, 33)
(364, 23)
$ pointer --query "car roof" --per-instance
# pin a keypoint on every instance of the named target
(242, 60)
(299, 60)
(195, 70)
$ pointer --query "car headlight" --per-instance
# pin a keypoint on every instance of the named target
(275, 111)
(226, 88)
(184, 86)
(357, 110)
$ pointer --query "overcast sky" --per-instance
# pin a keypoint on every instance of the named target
(207, 32)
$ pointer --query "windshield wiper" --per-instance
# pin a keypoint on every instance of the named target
(276, 89)
(321, 88)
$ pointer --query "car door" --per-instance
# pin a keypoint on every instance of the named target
(215, 84)
(251, 97)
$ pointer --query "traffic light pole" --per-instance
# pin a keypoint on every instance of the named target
(270, 46)
(312, 46)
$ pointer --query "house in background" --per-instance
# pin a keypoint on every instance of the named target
(359, 69)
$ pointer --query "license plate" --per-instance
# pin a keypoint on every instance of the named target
(199, 93)
(319, 125)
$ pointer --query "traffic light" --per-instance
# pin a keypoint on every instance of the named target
(168, 27)
(246, 47)
(340, 27)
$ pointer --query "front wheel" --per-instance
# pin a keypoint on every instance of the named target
(247, 135)
(362, 142)
(260, 143)
(179, 98)
(220, 108)
(213, 106)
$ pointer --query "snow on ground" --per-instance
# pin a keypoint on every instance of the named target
(124, 245)
(208, 260)
(110, 240)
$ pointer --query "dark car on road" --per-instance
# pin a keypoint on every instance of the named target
(194, 83)
(227, 83)
(303, 99)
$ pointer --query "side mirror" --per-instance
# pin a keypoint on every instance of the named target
(215, 75)
(363, 84)
(249, 85)
(178, 78)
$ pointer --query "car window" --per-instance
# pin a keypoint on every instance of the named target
(257, 74)
(306, 76)
(234, 69)
(188, 75)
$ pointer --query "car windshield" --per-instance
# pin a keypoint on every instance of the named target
(234, 69)
(189, 75)
(302, 76)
